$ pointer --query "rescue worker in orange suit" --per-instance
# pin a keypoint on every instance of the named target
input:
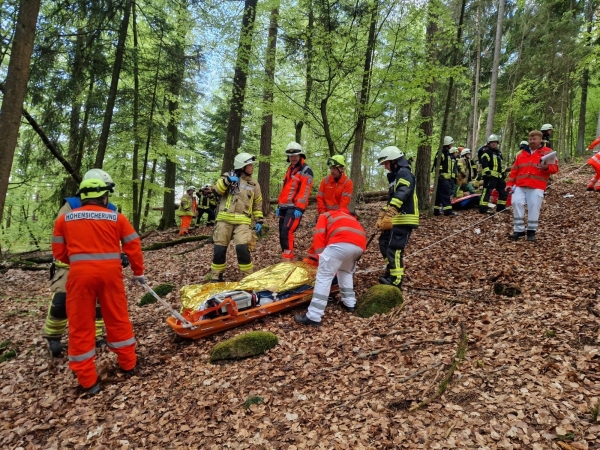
(399, 217)
(89, 239)
(446, 180)
(527, 181)
(241, 201)
(338, 243)
(594, 161)
(293, 199)
(188, 209)
(207, 203)
(56, 319)
(493, 176)
(335, 191)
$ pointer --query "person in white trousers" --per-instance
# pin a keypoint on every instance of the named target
(338, 244)
(528, 180)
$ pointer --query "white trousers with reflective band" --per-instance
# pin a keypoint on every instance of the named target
(336, 258)
(533, 198)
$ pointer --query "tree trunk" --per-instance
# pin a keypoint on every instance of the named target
(238, 94)
(475, 131)
(16, 88)
(326, 129)
(363, 103)
(424, 151)
(489, 128)
(114, 83)
(149, 196)
(135, 175)
(266, 131)
(585, 80)
(309, 64)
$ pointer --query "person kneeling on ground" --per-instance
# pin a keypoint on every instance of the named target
(338, 244)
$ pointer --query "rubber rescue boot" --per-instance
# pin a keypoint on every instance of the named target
(436, 212)
(303, 320)
(385, 280)
(484, 210)
(531, 235)
(100, 343)
(516, 235)
(55, 347)
(91, 391)
(129, 373)
(450, 214)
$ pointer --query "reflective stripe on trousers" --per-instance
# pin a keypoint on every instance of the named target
(337, 258)
(533, 198)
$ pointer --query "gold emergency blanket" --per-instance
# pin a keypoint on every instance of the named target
(280, 277)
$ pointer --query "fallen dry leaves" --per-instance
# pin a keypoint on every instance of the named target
(528, 380)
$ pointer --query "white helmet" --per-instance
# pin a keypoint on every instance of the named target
(190, 188)
(448, 140)
(547, 126)
(453, 150)
(466, 151)
(390, 153)
(493, 138)
(242, 160)
(524, 143)
(293, 148)
(206, 186)
(100, 174)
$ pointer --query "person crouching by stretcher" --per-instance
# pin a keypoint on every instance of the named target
(338, 243)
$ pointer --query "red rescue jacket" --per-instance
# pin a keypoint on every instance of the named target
(297, 185)
(92, 236)
(525, 173)
(337, 227)
(334, 195)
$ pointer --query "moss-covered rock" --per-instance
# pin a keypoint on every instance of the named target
(6, 352)
(379, 299)
(161, 290)
(244, 345)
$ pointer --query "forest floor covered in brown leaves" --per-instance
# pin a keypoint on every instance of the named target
(529, 380)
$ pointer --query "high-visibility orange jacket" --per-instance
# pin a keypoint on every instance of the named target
(525, 173)
(337, 227)
(93, 235)
(297, 184)
(334, 195)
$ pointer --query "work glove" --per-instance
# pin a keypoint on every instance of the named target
(258, 227)
(139, 280)
(233, 179)
(386, 224)
(379, 219)
(297, 214)
(124, 260)
(509, 189)
(277, 212)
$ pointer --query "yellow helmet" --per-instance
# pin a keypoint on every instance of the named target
(336, 161)
(92, 188)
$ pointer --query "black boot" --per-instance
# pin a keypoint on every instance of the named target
(350, 309)
(531, 235)
(450, 214)
(516, 235)
(484, 210)
(303, 320)
(55, 347)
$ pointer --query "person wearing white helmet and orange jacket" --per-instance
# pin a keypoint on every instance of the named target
(594, 161)
(335, 191)
(56, 319)
(188, 209)
(89, 239)
(399, 217)
(293, 198)
(241, 201)
(447, 178)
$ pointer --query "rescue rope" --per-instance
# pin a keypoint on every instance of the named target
(508, 208)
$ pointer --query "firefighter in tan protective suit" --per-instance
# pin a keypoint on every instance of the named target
(241, 201)
(188, 209)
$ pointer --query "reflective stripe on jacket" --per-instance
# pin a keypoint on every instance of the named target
(403, 197)
(335, 227)
(241, 207)
(206, 201)
(491, 163)
(334, 195)
(187, 206)
(94, 235)
(447, 166)
(525, 173)
(297, 185)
